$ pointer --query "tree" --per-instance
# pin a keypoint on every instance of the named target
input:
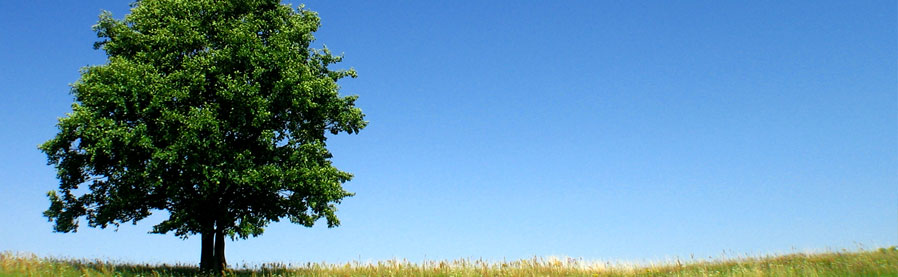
(215, 111)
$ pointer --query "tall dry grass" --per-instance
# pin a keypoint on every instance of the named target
(880, 262)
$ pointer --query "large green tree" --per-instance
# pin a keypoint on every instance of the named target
(215, 111)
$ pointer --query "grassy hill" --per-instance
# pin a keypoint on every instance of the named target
(880, 262)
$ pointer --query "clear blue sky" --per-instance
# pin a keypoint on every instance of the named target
(615, 130)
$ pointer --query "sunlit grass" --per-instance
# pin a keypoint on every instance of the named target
(880, 262)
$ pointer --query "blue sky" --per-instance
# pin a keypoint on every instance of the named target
(627, 130)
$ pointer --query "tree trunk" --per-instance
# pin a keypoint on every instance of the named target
(207, 254)
(219, 257)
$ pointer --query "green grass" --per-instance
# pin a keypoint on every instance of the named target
(880, 262)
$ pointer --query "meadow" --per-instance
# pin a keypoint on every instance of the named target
(879, 262)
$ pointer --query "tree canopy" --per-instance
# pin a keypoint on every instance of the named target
(216, 111)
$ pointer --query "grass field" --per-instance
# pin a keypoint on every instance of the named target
(880, 262)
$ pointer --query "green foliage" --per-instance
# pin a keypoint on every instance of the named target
(883, 262)
(215, 111)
